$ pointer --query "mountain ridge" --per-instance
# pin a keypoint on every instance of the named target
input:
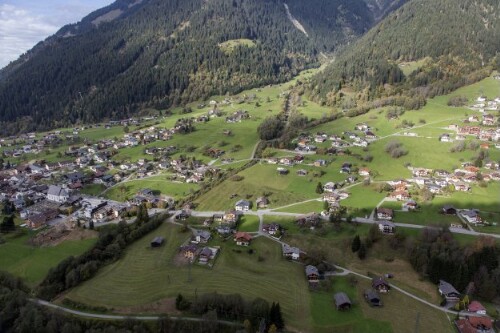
(157, 54)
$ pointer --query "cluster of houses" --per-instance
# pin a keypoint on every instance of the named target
(362, 136)
(436, 181)
(476, 320)
(41, 191)
(341, 299)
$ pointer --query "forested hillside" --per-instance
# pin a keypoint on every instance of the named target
(454, 41)
(158, 53)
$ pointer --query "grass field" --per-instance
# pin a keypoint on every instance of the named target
(398, 314)
(144, 275)
(127, 190)
(327, 319)
(249, 223)
(33, 263)
(229, 46)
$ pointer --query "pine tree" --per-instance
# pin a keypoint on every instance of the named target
(356, 244)
(319, 188)
(7, 224)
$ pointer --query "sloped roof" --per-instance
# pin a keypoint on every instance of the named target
(341, 298)
(57, 191)
(475, 306)
(481, 322)
(447, 288)
(310, 269)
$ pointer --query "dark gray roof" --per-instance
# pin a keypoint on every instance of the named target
(202, 233)
(310, 269)
(341, 298)
(371, 295)
(57, 190)
(158, 240)
(377, 281)
(447, 288)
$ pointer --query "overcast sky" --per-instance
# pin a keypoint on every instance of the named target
(23, 23)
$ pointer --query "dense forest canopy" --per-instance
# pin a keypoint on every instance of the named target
(156, 53)
(455, 40)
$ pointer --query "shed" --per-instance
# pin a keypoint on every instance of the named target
(342, 301)
(157, 241)
(372, 297)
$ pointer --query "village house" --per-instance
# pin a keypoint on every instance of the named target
(385, 213)
(476, 307)
(205, 255)
(330, 197)
(201, 236)
(400, 195)
(329, 187)
(242, 206)
(410, 205)
(242, 238)
(271, 228)
(462, 187)
(488, 120)
(448, 291)
(291, 252)
(262, 202)
(386, 227)
(445, 138)
(312, 274)
(189, 251)
(380, 285)
(472, 216)
(364, 172)
(472, 324)
(39, 220)
(57, 194)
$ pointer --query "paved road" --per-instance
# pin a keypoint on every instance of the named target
(262, 213)
(119, 317)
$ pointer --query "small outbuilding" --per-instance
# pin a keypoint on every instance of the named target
(372, 297)
(342, 301)
(157, 241)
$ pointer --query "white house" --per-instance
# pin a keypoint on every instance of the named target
(57, 194)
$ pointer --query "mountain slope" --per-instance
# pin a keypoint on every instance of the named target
(455, 40)
(136, 54)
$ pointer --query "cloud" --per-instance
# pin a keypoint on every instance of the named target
(20, 30)
(23, 23)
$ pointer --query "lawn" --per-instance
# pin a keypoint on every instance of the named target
(249, 223)
(127, 190)
(229, 46)
(327, 319)
(93, 189)
(402, 312)
(427, 214)
(398, 314)
(33, 263)
(257, 180)
(145, 275)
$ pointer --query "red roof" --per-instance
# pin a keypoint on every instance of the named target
(475, 306)
(481, 321)
(243, 236)
(464, 326)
